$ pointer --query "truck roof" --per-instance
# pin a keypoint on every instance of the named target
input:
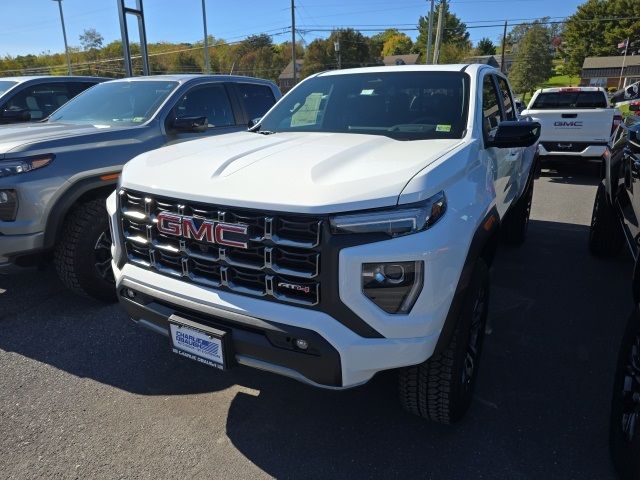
(183, 78)
(467, 67)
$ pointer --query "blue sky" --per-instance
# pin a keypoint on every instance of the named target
(33, 26)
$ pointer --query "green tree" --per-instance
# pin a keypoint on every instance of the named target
(91, 39)
(377, 41)
(533, 63)
(455, 32)
(399, 44)
(355, 51)
(586, 33)
(485, 47)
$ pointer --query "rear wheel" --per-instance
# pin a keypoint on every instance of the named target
(605, 235)
(441, 388)
(625, 405)
(83, 253)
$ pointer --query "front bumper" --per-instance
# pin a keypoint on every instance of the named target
(15, 246)
(343, 359)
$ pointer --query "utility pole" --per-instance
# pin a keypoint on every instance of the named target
(436, 48)
(504, 44)
(64, 34)
(207, 64)
(430, 32)
(293, 42)
(336, 45)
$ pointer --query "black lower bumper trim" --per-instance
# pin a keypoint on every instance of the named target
(270, 342)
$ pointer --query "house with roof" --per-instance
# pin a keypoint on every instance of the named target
(285, 79)
(606, 71)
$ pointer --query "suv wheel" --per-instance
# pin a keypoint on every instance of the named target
(83, 253)
(605, 235)
(516, 225)
(625, 406)
(441, 388)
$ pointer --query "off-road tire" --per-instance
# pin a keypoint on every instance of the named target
(440, 389)
(76, 250)
(625, 447)
(516, 224)
(605, 235)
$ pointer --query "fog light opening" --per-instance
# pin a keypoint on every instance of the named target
(302, 344)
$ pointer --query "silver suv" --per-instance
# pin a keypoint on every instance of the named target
(55, 175)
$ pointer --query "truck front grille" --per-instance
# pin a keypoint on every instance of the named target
(281, 261)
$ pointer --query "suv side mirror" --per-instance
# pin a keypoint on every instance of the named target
(511, 134)
(190, 124)
(16, 115)
(253, 122)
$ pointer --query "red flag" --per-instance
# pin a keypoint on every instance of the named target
(623, 44)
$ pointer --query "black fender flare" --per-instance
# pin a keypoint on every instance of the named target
(95, 186)
(483, 244)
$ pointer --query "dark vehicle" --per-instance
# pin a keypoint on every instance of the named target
(24, 99)
(55, 175)
(615, 218)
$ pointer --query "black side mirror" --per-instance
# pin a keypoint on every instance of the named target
(16, 115)
(511, 134)
(253, 122)
(190, 124)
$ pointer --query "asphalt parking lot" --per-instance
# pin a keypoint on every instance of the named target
(85, 393)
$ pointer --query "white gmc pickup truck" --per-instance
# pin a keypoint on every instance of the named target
(349, 232)
(577, 122)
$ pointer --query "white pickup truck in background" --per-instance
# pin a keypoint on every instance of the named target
(577, 122)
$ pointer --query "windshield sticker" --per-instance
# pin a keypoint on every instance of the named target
(308, 113)
(443, 128)
(368, 91)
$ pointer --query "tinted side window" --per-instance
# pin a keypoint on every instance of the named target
(507, 101)
(256, 99)
(491, 115)
(209, 101)
(76, 88)
(40, 100)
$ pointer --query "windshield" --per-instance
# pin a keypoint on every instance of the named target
(6, 85)
(115, 103)
(401, 105)
(558, 100)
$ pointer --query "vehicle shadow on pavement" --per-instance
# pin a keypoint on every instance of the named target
(541, 405)
(41, 320)
(573, 174)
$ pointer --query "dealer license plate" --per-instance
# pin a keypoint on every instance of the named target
(198, 344)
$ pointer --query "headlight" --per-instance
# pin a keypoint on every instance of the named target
(401, 220)
(393, 286)
(22, 165)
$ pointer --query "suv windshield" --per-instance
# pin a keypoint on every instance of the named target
(401, 105)
(115, 103)
(6, 85)
(558, 100)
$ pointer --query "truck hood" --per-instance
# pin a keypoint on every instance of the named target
(294, 172)
(23, 134)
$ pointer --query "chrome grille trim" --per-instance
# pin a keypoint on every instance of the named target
(282, 261)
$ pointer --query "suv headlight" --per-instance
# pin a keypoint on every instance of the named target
(21, 165)
(395, 222)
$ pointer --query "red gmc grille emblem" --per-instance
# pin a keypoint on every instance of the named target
(220, 233)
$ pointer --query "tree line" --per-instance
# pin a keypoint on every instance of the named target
(597, 27)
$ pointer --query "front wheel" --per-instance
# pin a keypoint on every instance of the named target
(441, 388)
(605, 235)
(83, 253)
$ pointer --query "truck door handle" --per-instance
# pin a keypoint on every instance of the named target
(569, 115)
